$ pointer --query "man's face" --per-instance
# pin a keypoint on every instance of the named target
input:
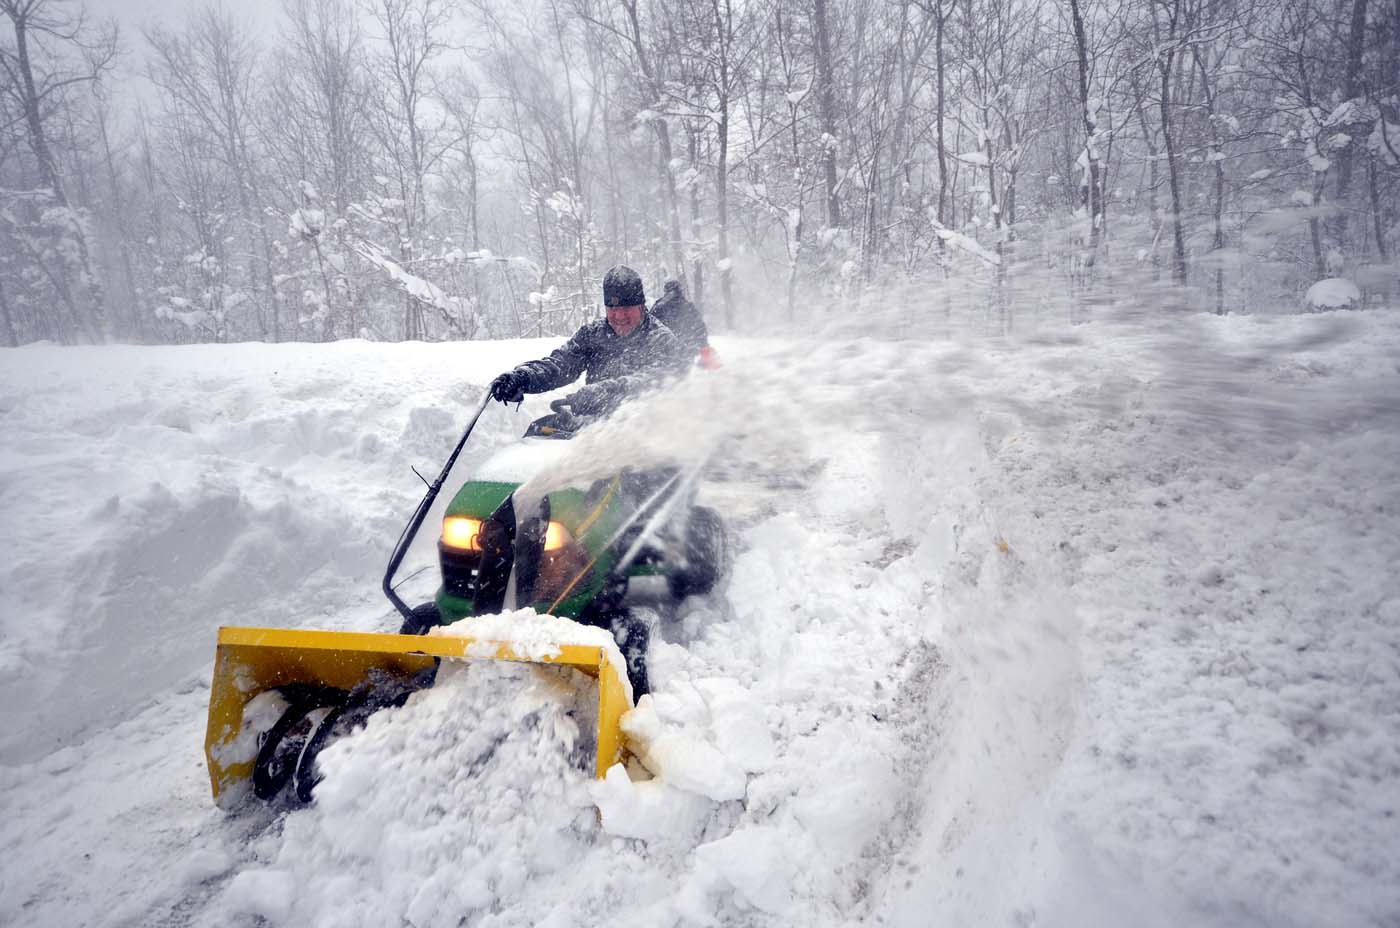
(624, 319)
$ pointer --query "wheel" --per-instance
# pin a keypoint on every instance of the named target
(277, 758)
(283, 744)
(425, 616)
(632, 635)
(706, 555)
(305, 778)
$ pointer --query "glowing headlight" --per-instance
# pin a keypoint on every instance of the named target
(461, 533)
(556, 536)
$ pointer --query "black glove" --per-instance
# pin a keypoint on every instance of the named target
(509, 387)
(591, 399)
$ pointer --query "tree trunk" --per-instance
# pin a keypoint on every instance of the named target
(1356, 42)
(939, 116)
(668, 181)
(869, 245)
(1315, 227)
(123, 241)
(1152, 179)
(722, 216)
(11, 333)
(1178, 233)
(1218, 242)
(663, 133)
(34, 121)
(826, 101)
(1093, 200)
(1381, 247)
(697, 264)
(724, 30)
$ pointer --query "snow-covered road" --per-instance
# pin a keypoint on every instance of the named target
(1093, 629)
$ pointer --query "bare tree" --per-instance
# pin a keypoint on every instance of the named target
(54, 51)
(826, 102)
(207, 74)
(1171, 27)
(411, 36)
(1093, 189)
(648, 61)
(315, 117)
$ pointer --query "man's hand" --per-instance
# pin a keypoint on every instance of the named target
(591, 399)
(509, 387)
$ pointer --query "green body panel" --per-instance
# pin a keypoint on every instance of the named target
(601, 511)
(479, 498)
(451, 608)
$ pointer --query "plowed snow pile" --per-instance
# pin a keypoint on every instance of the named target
(1094, 629)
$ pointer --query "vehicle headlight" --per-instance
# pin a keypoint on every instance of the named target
(556, 536)
(461, 533)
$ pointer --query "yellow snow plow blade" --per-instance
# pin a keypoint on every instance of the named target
(254, 660)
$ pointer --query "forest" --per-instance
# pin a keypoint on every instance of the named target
(463, 169)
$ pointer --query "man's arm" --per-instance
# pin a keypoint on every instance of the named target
(659, 361)
(563, 365)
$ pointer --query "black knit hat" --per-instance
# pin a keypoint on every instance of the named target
(622, 286)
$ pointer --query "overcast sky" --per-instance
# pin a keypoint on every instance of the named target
(132, 15)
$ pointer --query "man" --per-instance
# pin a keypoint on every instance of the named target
(683, 318)
(621, 355)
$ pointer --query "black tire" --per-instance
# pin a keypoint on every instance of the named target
(706, 555)
(277, 758)
(425, 616)
(283, 744)
(305, 778)
(632, 635)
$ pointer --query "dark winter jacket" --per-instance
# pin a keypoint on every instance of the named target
(623, 366)
(682, 317)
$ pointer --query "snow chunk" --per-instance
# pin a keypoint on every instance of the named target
(651, 810)
(259, 715)
(306, 223)
(795, 97)
(264, 893)
(203, 864)
(968, 244)
(1348, 111)
(849, 808)
(1315, 159)
(756, 862)
(681, 759)
(1333, 293)
(532, 634)
(423, 291)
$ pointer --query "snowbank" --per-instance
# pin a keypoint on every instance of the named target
(1333, 293)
